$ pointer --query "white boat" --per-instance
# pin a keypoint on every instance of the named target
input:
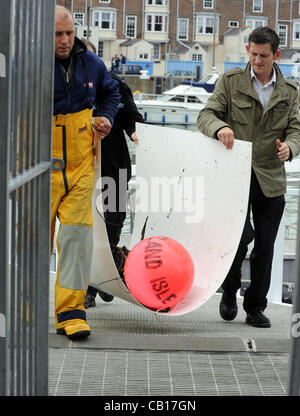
(177, 106)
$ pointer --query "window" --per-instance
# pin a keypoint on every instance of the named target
(143, 56)
(296, 31)
(196, 57)
(100, 48)
(104, 20)
(156, 23)
(208, 4)
(131, 26)
(183, 29)
(157, 2)
(205, 25)
(85, 33)
(283, 34)
(79, 19)
(156, 52)
(257, 5)
(104, 1)
(233, 23)
(254, 23)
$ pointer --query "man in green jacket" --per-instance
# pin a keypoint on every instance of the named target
(258, 105)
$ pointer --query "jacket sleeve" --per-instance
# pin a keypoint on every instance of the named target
(212, 117)
(131, 114)
(107, 95)
(292, 133)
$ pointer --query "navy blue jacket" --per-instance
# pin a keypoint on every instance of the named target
(86, 84)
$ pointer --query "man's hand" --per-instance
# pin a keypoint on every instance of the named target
(134, 138)
(283, 151)
(101, 128)
(226, 136)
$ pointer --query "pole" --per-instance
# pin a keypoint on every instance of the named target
(5, 126)
(276, 15)
(88, 21)
(214, 39)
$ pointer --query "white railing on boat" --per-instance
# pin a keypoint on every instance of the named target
(145, 96)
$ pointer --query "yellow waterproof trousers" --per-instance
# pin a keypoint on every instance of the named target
(71, 198)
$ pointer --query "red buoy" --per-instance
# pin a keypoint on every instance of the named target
(159, 272)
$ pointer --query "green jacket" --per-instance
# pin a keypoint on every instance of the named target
(235, 104)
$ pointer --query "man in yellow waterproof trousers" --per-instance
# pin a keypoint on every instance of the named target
(82, 89)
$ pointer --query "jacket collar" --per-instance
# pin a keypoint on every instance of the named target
(78, 47)
(279, 94)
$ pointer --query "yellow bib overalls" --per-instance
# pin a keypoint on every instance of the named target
(71, 197)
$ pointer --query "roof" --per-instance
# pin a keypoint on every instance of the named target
(183, 49)
(130, 42)
(288, 53)
(234, 31)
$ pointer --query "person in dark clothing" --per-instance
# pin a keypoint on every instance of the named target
(123, 62)
(115, 162)
(117, 63)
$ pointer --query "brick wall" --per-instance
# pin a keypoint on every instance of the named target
(227, 9)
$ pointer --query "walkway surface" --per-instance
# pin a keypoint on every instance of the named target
(135, 352)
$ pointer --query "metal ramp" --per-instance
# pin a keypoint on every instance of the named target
(134, 352)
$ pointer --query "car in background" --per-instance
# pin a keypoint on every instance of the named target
(130, 69)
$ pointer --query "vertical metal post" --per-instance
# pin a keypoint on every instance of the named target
(88, 20)
(5, 104)
(276, 15)
(26, 91)
(214, 37)
(294, 357)
(44, 198)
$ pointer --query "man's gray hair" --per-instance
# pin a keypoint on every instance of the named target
(64, 12)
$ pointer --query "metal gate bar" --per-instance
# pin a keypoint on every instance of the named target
(26, 41)
(294, 358)
(5, 89)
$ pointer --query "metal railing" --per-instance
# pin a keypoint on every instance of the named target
(294, 357)
(26, 90)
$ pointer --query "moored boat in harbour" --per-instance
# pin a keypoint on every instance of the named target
(177, 106)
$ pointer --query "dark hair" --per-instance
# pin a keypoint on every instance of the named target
(264, 34)
(89, 43)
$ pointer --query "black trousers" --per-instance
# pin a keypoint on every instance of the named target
(116, 198)
(267, 213)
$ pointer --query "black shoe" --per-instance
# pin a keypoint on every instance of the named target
(105, 296)
(89, 301)
(228, 307)
(258, 319)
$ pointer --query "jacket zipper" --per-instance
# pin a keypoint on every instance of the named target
(67, 80)
(68, 86)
